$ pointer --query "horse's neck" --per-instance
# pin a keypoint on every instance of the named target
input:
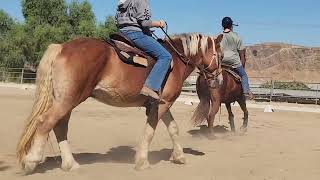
(175, 49)
(188, 70)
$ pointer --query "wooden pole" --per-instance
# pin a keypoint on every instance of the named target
(22, 74)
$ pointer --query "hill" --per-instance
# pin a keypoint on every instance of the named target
(284, 62)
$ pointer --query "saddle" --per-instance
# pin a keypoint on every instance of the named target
(128, 52)
(232, 72)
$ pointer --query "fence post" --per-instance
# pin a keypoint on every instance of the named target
(317, 95)
(271, 90)
(3, 76)
(22, 74)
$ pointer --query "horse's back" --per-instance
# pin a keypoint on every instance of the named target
(231, 90)
(85, 46)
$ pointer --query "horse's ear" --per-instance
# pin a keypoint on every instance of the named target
(219, 39)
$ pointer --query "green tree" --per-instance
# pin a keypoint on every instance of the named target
(11, 36)
(46, 23)
(82, 19)
(108, 27)
(39, 12)
(6, 23)
(12, 47)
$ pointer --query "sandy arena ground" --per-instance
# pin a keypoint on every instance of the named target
(278, 146)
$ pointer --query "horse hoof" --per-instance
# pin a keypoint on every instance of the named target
(243, 129)
(231, 133)
(142, 164)
(178, 157)
(178, 160)
(30, 163)
(211, 136)
(203, 128)
(70, 166)
(29, 167)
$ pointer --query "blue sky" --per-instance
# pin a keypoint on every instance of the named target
(288, 21)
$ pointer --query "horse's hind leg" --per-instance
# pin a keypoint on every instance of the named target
(231, 117)
(141, 158)
(155, 112)
(61, 131)
(172, 126)
(47, 122)
(243, 105)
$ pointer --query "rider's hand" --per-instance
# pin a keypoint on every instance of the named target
(160, 24)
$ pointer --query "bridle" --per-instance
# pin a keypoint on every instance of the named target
(209, 76)
(181, 56)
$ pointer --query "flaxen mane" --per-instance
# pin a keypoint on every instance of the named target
(191, 43)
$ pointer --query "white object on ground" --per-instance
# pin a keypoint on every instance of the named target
(268, 109)
(188, 102)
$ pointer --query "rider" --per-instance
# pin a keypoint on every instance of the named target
(234, 53)
(134, 21)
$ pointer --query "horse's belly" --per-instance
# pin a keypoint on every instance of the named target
(114, 97)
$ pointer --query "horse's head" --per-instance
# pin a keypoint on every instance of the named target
(211, 55)
(210, 63)
(200, 51)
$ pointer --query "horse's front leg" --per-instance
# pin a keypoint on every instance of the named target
(141, 158)
(214, 110)
(172, 126)
(231, 117)
(243, 105)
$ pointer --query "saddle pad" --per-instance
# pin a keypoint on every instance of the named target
(233, 74)
(132, 55)
(134, 59)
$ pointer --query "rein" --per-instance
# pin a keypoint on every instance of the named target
(208, 75)
(181, 56)
(203, 70)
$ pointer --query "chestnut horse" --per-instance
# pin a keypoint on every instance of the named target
(212, 97)
(70, 73)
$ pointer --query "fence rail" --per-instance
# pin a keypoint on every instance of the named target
(309, 96)
(17, 75)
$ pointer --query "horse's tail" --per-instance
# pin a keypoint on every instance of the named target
(202, 111)
(43, 99)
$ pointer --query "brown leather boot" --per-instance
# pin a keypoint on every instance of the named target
(249, 96)
(149, 93)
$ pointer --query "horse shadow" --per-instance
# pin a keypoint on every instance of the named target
(221, 130)
(120, 155)
(3, 167)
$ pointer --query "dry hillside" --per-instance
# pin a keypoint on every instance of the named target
(284, 62)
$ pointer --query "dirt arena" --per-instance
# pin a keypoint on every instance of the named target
(278, 146)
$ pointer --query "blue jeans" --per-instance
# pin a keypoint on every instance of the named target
(152, 47)
(244, 78)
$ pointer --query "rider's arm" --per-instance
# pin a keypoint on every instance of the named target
(143, 16)
(159, 24)
(243, 58)
(242, 52)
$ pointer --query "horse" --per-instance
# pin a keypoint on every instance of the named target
(211, 98)
(74, 71)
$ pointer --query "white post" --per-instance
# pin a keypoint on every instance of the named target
(317, 95)
(271, 90)
(22, 74)
(3, 76)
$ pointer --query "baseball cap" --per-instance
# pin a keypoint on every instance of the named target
(227, 22)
